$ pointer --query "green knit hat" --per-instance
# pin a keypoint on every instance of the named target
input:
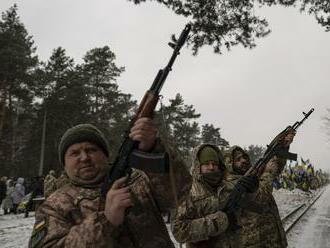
(206, 154)
(82, 133)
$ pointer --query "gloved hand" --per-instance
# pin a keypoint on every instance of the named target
(247, 184)
(233, 226)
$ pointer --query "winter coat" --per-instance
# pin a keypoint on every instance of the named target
(73, 216)
(49, 185)
(7, 203)
(19, 191)
(198, 221)
(259, 217)
(3, 190)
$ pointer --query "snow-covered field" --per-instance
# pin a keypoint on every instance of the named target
(15, 230)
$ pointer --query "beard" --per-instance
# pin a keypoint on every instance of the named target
(242, 169)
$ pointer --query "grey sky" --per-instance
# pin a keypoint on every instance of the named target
(250, 94)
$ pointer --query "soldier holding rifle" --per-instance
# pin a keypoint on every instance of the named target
(233, 211)
(117, 205)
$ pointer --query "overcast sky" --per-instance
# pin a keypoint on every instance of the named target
(250, 94)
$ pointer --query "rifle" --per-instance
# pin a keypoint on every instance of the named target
(121, 166)
(275, 148)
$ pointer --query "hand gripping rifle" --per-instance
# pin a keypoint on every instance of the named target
(275, 148)
(121, 166)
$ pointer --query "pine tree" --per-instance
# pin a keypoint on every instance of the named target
(110, 109)
(212, 135)
(178, 125)
(224, 24)
(255, 152)
(18, 63)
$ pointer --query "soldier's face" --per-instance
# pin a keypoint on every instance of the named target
(241, 162)
(210, 166)
(84, 160)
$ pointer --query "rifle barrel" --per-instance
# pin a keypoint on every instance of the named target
(295, 127)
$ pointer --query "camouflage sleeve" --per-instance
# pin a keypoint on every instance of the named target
(187, 227)
(273, 169)
(54, 228)
(171, 188)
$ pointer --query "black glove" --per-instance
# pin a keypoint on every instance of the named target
(247, 184)
(232, 220)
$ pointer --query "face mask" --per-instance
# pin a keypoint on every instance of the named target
(240, 170)
(213, 179)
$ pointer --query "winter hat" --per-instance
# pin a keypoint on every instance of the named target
(207, 154)
(82, 133)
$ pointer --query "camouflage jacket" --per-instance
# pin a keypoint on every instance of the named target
(73, 216)
(259, 218)
(49, 185)
(198, 220)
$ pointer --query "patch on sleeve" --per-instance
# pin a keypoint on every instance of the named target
(38, 233)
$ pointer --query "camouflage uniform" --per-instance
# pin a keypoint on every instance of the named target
(73, 216)
(259, 217)
(62, 180)
(198, 221)
(50, 184)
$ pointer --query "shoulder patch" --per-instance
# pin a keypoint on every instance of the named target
(38, 233)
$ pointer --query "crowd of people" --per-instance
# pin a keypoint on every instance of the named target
(303, 176)
(16, 194)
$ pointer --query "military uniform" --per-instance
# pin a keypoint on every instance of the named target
(199, 222)
(50, 184)
(261, 225)
(62, 180)
(73, 216)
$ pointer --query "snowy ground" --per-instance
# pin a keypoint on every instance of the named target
(288, 200)
(314, 228)
(15, 230)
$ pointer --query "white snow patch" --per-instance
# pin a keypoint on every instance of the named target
(15, 230)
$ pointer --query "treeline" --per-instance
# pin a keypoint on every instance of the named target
(62, 93)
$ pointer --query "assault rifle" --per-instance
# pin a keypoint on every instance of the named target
(121, 166)
(276, 148)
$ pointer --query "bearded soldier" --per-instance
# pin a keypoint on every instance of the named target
(203, 220)
(78, 215)
(259, 219)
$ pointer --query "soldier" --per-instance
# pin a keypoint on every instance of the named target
(77, 215)
(200, 220)
(49, 183)
(260, 222)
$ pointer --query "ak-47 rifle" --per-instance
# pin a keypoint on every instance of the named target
(121, 166)
(276, 148)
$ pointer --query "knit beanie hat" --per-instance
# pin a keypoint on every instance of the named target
(82, 133)
(207, 154)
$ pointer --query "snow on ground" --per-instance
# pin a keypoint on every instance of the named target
(314, 228)
(288, 200)
(15, 230)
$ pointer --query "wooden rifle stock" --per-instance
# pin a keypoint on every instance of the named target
(146, 108)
